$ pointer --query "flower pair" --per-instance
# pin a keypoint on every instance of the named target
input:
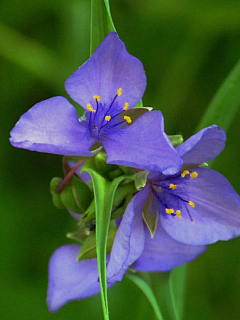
(182, 208)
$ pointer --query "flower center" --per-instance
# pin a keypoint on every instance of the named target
(103, 118)
(171, 195)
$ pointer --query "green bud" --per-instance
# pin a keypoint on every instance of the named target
(101, 165)
(56, 198)
(75, 196)
(176, 139)
(88, 248)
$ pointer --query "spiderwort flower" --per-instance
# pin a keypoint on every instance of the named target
(107, 85)
(195, 207)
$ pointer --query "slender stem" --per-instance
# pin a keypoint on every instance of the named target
(69, 175)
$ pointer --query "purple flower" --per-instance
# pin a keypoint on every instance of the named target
(194, 208)
(107, 85)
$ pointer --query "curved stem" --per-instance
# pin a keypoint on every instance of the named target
(69, 175)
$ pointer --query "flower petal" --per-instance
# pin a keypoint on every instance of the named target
(163, 253)
(202, 146)
(110, 67)
(52, 126)
(129, 241)
(143, 145)
(216, 214)
(69, 279)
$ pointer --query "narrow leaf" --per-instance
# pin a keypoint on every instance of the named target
(177, 285)
(104, 191)
(101, 23)
(148, 293)
(225, 103)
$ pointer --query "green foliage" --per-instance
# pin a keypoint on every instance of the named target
(146, 289)
(101, 22)
(104, 191)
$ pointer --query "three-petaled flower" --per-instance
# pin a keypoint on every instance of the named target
(108, 85)
(195, 207)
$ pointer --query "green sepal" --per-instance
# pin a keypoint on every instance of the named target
(88, 249)
(141, 179)
(56, 197)
(150, 215)
(176, 140)
(135, 113)
(80, 235)
(202, 165)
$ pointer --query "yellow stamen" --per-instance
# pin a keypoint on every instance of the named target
(126, 105)
(184, 173)
(193, 221)
(169, 211)
(194, 174)
(89, 108)
(191, 203)
(178, 213)
(173, 186)
(96, 98)
(119, 92)
(128, 119)
(108, 118)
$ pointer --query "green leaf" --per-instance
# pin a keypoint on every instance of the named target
(177, 286)
(101, 23)
(104, 191)
(148, 293)
(225, 103)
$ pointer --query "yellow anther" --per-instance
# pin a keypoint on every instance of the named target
(193, 221)
(194, 174)
(126, 105)
(89, 108)
(184, 173)
(96, 98)
(173, 186)
(108, 118)
(169, 211)
(119, 92)
(178, 213)
(128, 119)
(191, 203)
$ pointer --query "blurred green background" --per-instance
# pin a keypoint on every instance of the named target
(187, 48)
